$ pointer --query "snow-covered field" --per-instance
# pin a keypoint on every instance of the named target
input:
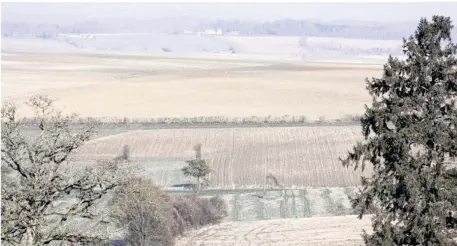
(243, 157)
(262, 78)
(316, 231)
(131, 85)
(311, 48)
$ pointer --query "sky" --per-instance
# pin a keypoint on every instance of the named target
(75, 12)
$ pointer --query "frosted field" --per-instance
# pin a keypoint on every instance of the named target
(290, 46)
(113, 85)
(315, 46)
(340, 230)
(304, 160)
(242, 157)
(258, 204)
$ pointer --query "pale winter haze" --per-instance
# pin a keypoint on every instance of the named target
(228, 123)
(66, 12)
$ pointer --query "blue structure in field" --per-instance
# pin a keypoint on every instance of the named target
(186, 186)
(118, 243)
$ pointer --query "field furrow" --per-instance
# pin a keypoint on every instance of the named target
(338, 230)
(243, 157)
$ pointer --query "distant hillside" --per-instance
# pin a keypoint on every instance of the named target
(288, 27)
(303, 39)
(285, 27)
(32, 44)
(310, 48)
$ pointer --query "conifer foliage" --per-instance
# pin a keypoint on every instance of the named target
(198, 169)
(411, 140)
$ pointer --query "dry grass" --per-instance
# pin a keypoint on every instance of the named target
(243, 157)
(167, 86)
(339, 230)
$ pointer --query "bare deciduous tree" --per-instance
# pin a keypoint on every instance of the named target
(272, 180)
(45, 199)
(303, 43)
(125, 154)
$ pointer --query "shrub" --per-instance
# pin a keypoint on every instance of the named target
(184, 214)
(141, 208)
(191, 212)
(151, 217)
(221, 209)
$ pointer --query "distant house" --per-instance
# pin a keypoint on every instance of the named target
(209, 32)
(82, 35)
(212, 32)
(70, 35)
(233, 33)
(227, 52)
(87, 36)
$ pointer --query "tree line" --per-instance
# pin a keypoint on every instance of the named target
(282, 27)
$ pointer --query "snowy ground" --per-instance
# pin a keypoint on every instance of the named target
(171, 85)
(338, 230)
(313, 49)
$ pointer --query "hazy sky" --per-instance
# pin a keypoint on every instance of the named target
(71, 12)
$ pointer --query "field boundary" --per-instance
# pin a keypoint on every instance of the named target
(210, 122)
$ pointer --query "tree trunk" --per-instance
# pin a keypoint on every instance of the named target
(198, 186)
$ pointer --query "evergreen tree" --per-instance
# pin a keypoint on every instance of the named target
(198, 169)
(410, 140)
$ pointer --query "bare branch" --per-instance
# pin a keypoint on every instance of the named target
(41, 192)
